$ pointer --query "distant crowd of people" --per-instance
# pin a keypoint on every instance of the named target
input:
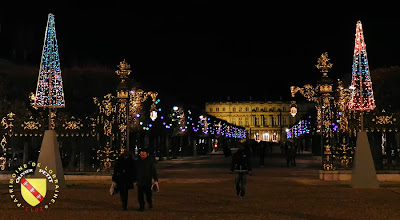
(260, 149)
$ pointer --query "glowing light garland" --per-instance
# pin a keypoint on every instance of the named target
(299, 129)
(362, 96)
(184, 121)
(49, 91)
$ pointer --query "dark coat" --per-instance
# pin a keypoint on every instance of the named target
(241, 161)
(146, 171)
(124, 171)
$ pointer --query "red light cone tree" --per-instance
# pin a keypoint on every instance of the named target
(362, 96)
(362, 99)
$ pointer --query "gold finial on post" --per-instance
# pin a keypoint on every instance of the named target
(323, 64)
(123, 73)
(124, 69)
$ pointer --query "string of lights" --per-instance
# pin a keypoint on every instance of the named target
(362, 97)
(49, 91)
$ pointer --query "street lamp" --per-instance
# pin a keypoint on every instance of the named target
(153, 110)
(321, 95)
(123, 104)
(153, 115)
(293, 108)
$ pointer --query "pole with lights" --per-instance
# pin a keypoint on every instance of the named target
(123, 105)
(50, 94)
(361, 100)
(322, 96)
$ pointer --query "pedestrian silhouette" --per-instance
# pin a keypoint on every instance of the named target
(261, 152)
(123, 176)
(241, 166)
(290, 152)
(146, 172)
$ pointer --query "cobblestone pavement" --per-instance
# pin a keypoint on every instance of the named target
(202, 188)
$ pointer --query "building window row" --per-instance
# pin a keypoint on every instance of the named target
(247, 109)
(267, 136)
(263, 120)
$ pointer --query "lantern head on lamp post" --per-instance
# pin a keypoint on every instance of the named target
(153, 115)
(153, 110)
(293, 108)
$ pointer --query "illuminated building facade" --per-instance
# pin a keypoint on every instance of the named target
(263, 120)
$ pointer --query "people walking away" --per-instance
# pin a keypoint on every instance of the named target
(146, 173)
(286, 148)
(227, 151)
(241, 166)
(301, 148)
(293, 155)
(123, 176)
(290, 151)
(261, 152)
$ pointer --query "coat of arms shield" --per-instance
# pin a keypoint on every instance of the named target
(33, 190)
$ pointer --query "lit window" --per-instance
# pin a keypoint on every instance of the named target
(266, 136)
(257, 136)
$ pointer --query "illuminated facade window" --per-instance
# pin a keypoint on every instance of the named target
(266, 137)
(257, 136)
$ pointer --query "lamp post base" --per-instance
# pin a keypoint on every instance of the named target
(50, 157)
(364, 173)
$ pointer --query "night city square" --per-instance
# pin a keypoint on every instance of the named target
(197, 110)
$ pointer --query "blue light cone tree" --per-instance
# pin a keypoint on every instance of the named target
(50, 94)
(49, 91)
(362, 99)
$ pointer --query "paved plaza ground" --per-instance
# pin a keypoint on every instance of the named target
(202, 188)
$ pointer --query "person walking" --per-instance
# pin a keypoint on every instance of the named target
(146, 172)
(293, 154)
(123, 176)
(287, 149)
(261, 152)
(241, 166)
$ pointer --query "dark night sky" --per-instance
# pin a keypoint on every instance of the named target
(193, 51)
